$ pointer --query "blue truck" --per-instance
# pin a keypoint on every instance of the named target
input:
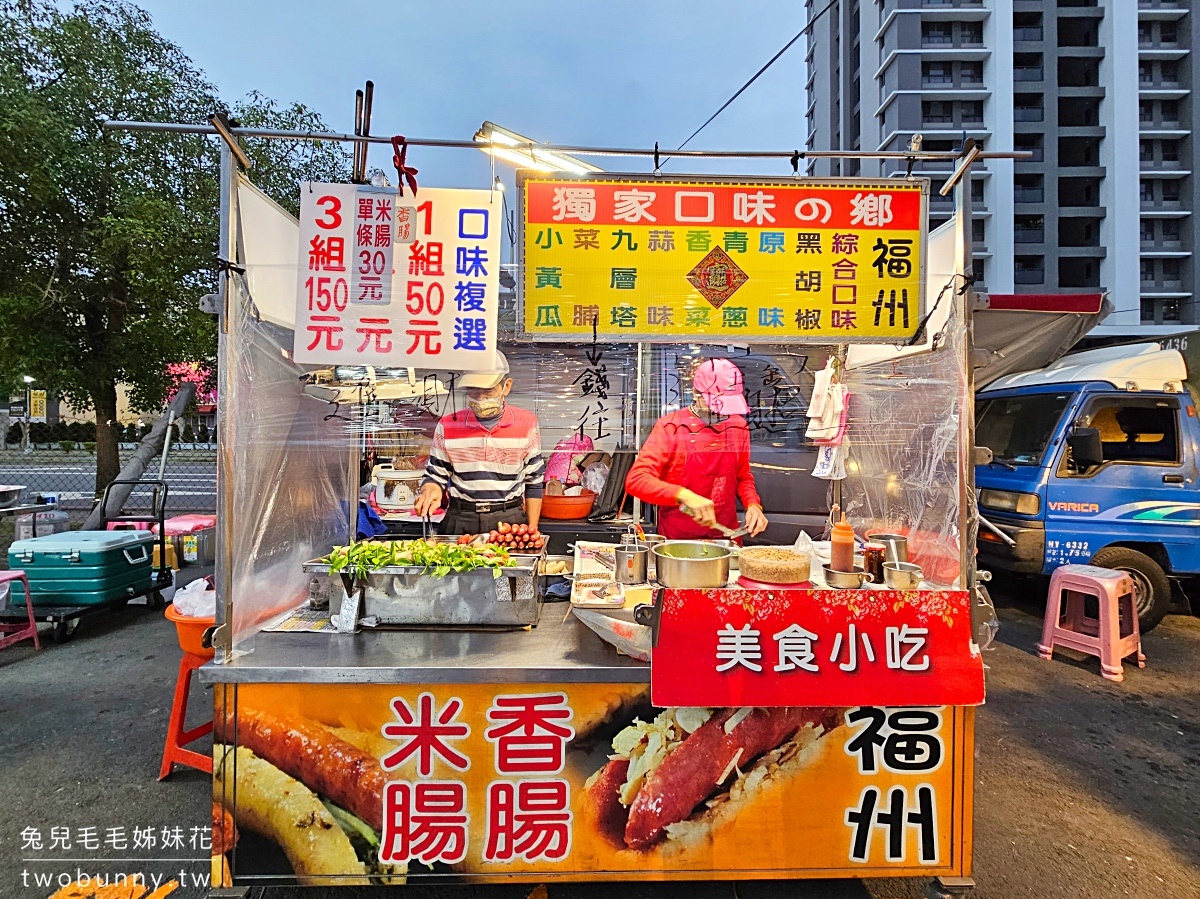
(1094, 459)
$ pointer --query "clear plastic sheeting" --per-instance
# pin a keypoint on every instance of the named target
(907, 453)
(301, 445)
(284, 466)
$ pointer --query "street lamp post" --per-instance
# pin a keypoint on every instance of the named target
(28, 399)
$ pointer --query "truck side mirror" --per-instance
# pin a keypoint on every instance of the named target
(1086, 449)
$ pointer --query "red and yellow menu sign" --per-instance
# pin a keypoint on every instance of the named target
(378, 783)
(681, 259)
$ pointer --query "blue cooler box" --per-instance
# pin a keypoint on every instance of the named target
(82, 568)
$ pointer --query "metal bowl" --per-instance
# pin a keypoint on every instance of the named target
(691, 564)
(10, 494)
(902, 575)
(846, 580)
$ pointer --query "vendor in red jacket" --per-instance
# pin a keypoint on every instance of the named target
(699, 457)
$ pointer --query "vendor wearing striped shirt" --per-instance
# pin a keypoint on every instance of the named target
(486, 461)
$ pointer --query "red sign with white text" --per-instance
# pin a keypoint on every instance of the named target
(830, 648)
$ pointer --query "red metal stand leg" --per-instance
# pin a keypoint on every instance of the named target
(177, 738)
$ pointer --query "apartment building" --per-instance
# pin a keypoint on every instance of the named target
(1097, 91)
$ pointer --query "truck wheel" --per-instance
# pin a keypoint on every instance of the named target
(1151, 586)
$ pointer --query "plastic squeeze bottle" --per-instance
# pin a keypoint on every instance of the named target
(841, 554)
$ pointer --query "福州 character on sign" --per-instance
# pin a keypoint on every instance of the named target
(899, 741)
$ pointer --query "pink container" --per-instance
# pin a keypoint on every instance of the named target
(128, 526)
(188, 524)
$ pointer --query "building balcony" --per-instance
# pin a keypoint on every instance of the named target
(1029, 276)
(1161, 168)
(1029, 195)
(1164, 129)
(1173, 250)
(1029, 73)
(1028, 34)
(1068, 251)
(1029, 235)
(1149, 8)
(1159, 211)
(1168, 11)
(1161, 206)
(1162, 92)
(1147, 52)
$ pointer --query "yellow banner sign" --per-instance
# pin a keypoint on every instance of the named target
(37, 406)
(679, 259)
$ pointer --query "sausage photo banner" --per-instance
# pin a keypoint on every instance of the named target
(778, 260)
(581, 781)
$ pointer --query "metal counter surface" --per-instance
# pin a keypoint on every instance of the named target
(553, 652)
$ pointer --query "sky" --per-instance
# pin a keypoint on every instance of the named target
(611, 73)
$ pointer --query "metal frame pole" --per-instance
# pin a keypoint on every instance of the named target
(965, 299)
(276, 134)
(223, 571)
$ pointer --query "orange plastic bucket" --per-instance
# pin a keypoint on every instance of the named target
(191, 632)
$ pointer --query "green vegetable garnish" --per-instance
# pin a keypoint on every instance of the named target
(439, 559)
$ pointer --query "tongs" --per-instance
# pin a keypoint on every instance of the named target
(728, 533)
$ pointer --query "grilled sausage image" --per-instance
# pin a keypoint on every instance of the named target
(319, 759)
(692, 769)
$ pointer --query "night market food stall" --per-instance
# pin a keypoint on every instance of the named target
(437, 721)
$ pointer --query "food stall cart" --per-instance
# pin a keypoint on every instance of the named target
(777, 732)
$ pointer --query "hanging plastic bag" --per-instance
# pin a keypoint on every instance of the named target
(831, 462)
(595, 477)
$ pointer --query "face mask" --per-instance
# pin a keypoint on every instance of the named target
(487, 409)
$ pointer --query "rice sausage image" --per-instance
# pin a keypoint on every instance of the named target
(671, 772)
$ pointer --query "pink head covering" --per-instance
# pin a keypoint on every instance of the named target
(719, 381)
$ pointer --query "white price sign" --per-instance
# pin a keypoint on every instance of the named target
(392, 281)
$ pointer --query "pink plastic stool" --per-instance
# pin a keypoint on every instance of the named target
(15, 633)
(1113, 636)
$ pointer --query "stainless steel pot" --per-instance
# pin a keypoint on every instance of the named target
(650, 541)
(895, 546)
(691, 564)
(632, 564)
(846, 580)
(902, 575)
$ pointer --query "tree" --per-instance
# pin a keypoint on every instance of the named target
(108, 238)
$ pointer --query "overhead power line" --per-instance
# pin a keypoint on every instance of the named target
(770, 62)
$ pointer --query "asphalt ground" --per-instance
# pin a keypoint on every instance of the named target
(1084, 788)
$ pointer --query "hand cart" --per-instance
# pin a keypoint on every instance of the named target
(66, 618)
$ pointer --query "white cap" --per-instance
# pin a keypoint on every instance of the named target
(486, 380)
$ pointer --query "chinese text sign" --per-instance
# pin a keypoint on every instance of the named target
(398, 281)
(511, 782)
(815, 648)
(778, 260)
